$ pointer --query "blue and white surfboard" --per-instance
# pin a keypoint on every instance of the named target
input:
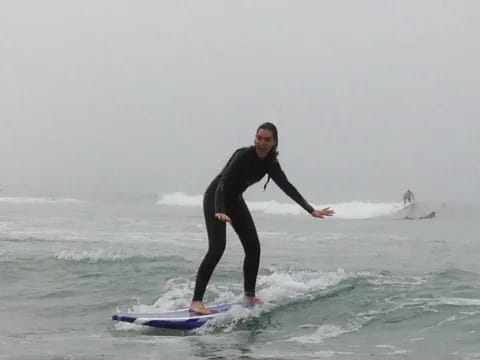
(184, 319)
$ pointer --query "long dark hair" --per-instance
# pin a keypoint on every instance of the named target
(274, 152)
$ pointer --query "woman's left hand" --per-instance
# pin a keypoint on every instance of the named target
(321, 213)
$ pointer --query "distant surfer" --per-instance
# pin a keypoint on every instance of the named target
(223, 202)
(408, 197)
(430, 215)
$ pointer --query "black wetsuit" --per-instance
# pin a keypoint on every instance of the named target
(224, 195)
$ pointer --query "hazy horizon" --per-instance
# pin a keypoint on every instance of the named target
(370, 98)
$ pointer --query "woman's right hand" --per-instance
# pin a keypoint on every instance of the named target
(223, 217)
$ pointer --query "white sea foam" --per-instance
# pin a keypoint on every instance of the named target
(459, 301)
(228, 320)
(416, 339)
(177, 293)
(381, 279)
(315, 355)
(91, 256)
(345, 210)
(323, 332)
(278, 288)
(40, 200)
(452, 301)
(393, 350)
(180, 199)
(329, 353)
(282, 287)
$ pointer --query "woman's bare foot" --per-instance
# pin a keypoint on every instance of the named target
(253, 300)
(198, 307)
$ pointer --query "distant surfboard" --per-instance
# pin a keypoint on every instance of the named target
(408, 205)
(184, 319)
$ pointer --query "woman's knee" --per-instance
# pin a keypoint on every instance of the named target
(216, 252)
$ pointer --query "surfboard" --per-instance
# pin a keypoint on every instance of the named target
(183, 319)
(408, 204)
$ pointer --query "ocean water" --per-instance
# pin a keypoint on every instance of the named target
(364, 284)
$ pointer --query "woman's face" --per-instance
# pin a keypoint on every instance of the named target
(264, 142)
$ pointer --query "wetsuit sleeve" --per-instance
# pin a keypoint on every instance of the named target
(232, 171)
(279, 177)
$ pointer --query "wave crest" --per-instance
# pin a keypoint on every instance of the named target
(91, 256)
(40, 200)
(344, 210)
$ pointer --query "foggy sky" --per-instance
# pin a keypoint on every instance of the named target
(370, 97)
